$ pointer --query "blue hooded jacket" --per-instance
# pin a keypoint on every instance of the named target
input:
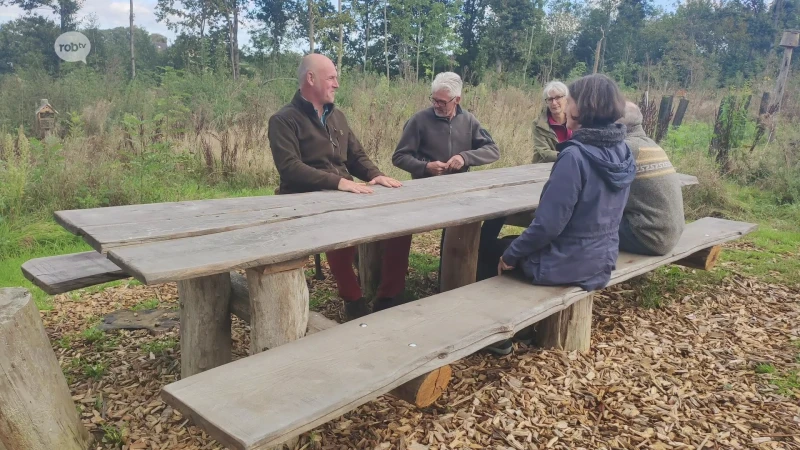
(574, 238)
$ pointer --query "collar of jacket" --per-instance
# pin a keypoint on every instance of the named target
(603, 136)
(304, 105)
(458, 111)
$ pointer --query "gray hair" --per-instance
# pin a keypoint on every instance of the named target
(632, 117)
(557, 86)
(448, 81)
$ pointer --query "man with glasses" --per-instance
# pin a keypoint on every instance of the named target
(445, 139)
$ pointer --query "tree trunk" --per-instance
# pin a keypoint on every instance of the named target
(366, 34)
(597, 51)
(133, 58)
(205, 323)
(310, 25)
(386, 36)
(235, 40)
(419, 39)
(341, 42)
(36, 407)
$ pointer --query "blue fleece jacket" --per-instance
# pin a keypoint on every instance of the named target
(574, 239)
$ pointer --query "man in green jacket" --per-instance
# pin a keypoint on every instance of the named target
(314, 149)
(653, 220)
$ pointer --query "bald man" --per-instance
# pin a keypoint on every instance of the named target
(314, 149)
(652, 222)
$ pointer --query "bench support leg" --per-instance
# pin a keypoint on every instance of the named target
(278, 305)
(36, 407)
(426, 388)
(704, 259)
(569, 329)
(369, 268)
(205, 323)
(460, 256)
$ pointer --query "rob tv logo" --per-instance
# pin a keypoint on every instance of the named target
(72, 46)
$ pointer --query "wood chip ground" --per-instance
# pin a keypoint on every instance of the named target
(680, 377)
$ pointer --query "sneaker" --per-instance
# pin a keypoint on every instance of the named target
(501, 348)
(354, 309)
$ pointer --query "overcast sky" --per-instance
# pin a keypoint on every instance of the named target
(111, 14)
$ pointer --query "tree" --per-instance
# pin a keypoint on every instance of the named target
(66, 10)
(28, 43)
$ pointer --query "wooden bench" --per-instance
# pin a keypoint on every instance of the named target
(263, 400)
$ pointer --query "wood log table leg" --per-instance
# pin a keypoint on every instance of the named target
(278, 304)
(205, 323)
(36, 407)
(569, 329)
(369, 268)
(460, 256)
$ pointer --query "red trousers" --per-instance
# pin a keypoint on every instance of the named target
(394, 266)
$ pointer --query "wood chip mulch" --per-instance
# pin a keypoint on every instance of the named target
(680, 377)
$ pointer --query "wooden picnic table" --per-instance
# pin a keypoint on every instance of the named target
(198, 243)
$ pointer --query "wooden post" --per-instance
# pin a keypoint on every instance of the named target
(789, 41)
(369, 268)
(278, 304)
(318, 275)
(36, 407)
(569, 329)
(460, 256)
(683, 104)
(205, 323)
(763, 107)
(664, 115)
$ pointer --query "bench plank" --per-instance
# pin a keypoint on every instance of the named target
(263, 400)
(107, 228)
(64, 273)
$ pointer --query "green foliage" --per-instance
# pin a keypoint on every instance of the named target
(147, 304)
(765, 368)
(92, 335)
(159, 347)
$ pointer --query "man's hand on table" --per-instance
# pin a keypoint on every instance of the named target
(351, 186)
(383, 180)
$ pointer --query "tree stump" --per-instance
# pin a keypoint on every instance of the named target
(460, 256)
(425, 389)
(36, 407)
(704, 259)
(205, 323)
(278, 304)
(569, 329)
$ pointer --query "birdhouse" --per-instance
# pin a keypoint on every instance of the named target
(45, 119)
(790, 39)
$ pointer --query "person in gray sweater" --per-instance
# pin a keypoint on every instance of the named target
(653, 220)
(445, 139)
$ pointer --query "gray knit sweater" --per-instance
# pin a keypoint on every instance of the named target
(655, 206)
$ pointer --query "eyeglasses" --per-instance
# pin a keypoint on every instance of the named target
(553, 99)
(440, 103)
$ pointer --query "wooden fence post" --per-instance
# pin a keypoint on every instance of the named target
(36, 407)
(664, 116)
(789, 41)
(683, 104)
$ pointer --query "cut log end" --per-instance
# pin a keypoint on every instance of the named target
(704, 259)
(425, 389)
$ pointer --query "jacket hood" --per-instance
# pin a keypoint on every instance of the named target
(607, 153)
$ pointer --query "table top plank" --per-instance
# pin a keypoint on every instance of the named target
(110, 227)
(191, 257)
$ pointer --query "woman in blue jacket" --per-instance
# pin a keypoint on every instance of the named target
(574, 238)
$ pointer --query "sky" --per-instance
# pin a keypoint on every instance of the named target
(112, 14)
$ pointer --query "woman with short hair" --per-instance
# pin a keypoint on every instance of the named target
(551, 127)
(574, 238)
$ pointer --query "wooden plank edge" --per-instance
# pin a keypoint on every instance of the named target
(62, 218)
(60, 288)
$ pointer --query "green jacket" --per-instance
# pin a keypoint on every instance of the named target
(544, 140)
